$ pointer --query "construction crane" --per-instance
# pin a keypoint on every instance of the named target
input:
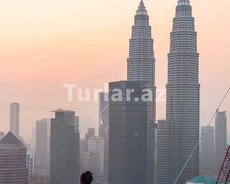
(224, 174)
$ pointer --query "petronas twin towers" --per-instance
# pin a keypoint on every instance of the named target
(170, 145)
(141, 67)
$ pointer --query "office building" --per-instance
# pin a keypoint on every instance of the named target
(183, 99)
(13, 169)
(30, 162)
(91, 133)
(207, 151)
(14, 118)
(141, 67)
(96, 147)
(163, 151)
(1, 135)
(64, 148)
(220, 139)
(104, 127)
(127, 133)
(42, 146)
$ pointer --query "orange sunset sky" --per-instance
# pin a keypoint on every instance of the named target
(47, 43)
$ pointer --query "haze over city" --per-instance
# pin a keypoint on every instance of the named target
(45, 44)
(114, 92)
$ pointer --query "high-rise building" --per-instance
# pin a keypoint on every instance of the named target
(127, 133)
(183, 98)
(103, 113)
(207, 151)
(104, 127)
(1, 135)
(42, 146)
(33, 139)
(141, 67)
(64, 148)
(13, 169)
(96, 147)
(83, 145)
(220, 139)
(93, 159)
(91, 133)
(30, 162)
(163, 151)
(14, 118)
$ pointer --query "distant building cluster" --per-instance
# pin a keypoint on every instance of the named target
(130, 145)
(213, 146)
(92, 155)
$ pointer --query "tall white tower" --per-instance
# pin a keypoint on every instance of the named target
(183, 93)
(14, 118)
(183, 100)
(220, 138)
(141, 67)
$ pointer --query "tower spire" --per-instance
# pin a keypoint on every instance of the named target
(141, 9)
(183, 2)
(141, 67)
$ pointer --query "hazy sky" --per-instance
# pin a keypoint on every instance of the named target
(46, 43)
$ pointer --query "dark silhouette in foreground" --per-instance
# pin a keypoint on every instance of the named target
(86, 177)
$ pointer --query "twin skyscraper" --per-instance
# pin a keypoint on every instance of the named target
(168, 143)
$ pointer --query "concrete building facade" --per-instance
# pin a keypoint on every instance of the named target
(220, 139)
(13, 169)
(104, 127)
(14, 118)
(141, 67)
(183, 98)
(64, 148)
(207, 158)
(127, 134)
(42, 146)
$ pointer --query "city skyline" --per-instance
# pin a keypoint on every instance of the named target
(75, 49)
(76, 96)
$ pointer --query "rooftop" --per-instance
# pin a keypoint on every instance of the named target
(10, 139)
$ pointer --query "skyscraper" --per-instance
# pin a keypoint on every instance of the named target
(13, 169)
(64, 148)
(42, 146)
(91, 133)
(220, 138)
(96, 147)
(104, 127)
(30, 162)
(127, 134)
(163, 152)
(183, 97)
(14, 118)
(103, 112)
(1, 135)
(141, 67)
(207, 151)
